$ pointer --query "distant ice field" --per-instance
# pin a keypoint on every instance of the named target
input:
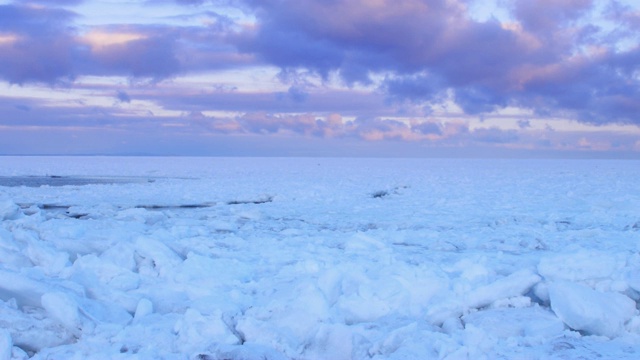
(305, 258)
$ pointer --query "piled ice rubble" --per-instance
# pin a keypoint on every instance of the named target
(296, 280)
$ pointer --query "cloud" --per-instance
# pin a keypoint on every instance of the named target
(36, 44)
(596, 89)
(428, 128)
(153, 57)
(367, 129)
(356, 37)
(297, 94)
(123, 97)
(42, 43)
(480, 99)
(418, 87)
(261, 123)
(306, 125)
(377, 129)
(127, 131)
(213, 124)
(545, 15)
(48, 2)
(44, 46)
(549, 59)
(495, 135)
(407, 37)
(298, 100)
(524, 124)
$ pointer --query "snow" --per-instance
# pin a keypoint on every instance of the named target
(267, 258)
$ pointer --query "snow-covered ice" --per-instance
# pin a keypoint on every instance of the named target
(292, 258)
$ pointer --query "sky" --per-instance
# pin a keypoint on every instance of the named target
(415, 78)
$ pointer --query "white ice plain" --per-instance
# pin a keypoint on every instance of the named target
(217, 258)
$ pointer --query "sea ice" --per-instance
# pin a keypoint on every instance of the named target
(242, 259)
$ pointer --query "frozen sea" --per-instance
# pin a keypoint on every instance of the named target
(304, 258)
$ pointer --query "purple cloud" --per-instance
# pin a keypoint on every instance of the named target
(419, 87)
(524, 123)
(487, 65)
(262, 123)
(347, 103)
(48, 2)
(77, 129)
(153, 57)
(547, 58)
(428, 128)
(37, 44)
(542, 15)
(495, 135)
(296, 94)
(333, 126)
(42, 44)
(123, 97)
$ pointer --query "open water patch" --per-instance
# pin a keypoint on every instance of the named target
(55, 180)
(258, 201)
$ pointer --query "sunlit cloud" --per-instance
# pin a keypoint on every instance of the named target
(8, 39)
(101, 40)
(517, 74)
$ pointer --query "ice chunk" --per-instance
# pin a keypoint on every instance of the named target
(9, 210)
(6, 240)
(29, 292)
(196, 332)
(633, 279)
(291, 317)
(140, 215)
(634, 325)
(121, 254)
(513, 322)
(144, 308)
(357, 309)
(206, 271)
(245, 351)
(510, 286)
(594, 312)
(32, 330)
(329, 282)
(332, 341)
(26, 291)
(106, 282)
(159, 256)
(63, 309)
(6, 345)
(579, 266)
(10, 253)
(541, 291)
(368, 299)
(363, 243)
(104, 312)
(105, 272)
(47, 257)
(515, 284)
(394, 340)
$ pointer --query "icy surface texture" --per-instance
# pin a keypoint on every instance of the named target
(215, 258)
